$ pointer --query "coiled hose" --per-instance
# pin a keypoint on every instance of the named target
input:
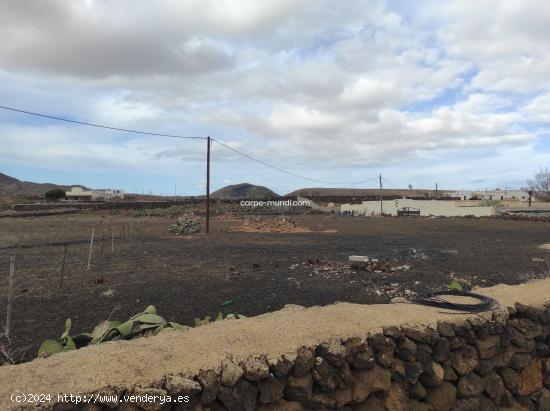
(434, 300)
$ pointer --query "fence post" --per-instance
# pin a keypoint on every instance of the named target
(112, 241)
(63, 267)
(10, 294)
(90, 253)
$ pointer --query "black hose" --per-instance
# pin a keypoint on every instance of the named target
(434, 300)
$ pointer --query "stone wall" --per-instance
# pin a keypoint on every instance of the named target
(491, 361)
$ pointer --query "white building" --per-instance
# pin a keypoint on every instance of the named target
(420, 207)
(78, 193)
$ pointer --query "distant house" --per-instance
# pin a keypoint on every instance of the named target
(497, 194)
(78, 193)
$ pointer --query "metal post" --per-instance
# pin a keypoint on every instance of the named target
(63, 267)
(208, 140)
(10, 294)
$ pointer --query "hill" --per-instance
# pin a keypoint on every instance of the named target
(243, 191)
(360, 192)
(11, 187)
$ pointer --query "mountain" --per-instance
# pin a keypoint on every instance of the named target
(11, 187)
(243, 191)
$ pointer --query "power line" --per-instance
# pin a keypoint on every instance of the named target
(100, 125)
(288, 172)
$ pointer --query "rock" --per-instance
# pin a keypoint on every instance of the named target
(423, 353)
(510, 378)
(442, 397)
(242, 396)
(305, 360)
(210, 385)
(231, 372)
(528, 328)
(464, 360)
(282, 405)
(520, 361)
(367, 381)
(177, 385)
(543, 401)
(488, 347)
(413, 371)
(384, 359)
(255, 369)
(334, 352)
(530, 378)
(406, 350)
(542, 349)
(299, 388)
(393, 332)
(449, 373)
(467, 404)
(396, 399)
(433, 374)
(382, 344)
(324, 375)
(150, 406)
(470, 385)
(441, 350)
(494, 386)
(415, 405)
(364, 359)
(271, 390)
(445, 329)
(371, 404)
(398, 371)
(419, 334)
(281, 366)
(486, 366)
(417, 391)
(486, 404)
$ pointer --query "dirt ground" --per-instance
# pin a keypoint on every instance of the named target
(188, 277)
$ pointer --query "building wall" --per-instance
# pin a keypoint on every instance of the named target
(426, 207)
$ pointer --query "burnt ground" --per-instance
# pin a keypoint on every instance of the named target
(188, 278)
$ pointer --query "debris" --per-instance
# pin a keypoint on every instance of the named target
(359, 258)
(538, 260)
(276, 225)
(99, 280)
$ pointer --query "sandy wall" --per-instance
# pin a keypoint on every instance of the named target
(341, 356)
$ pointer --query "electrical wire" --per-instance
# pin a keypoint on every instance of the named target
(289, 172)
(100, 125)
(434, 300)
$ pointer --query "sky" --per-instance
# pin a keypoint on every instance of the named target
(453, 92)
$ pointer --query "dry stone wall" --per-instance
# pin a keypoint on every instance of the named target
(502, 363)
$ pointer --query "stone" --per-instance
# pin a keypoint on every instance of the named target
(230, 372)
(178, 385)
(364, 359)
(530, 378)
(345, 376)
(543, 401)
(242, 396)
(324, 375)
(282, 405)
(271, 390)
(467, 404)
(393, 332)
(417, 391)
(486, 366)
(415, 405)
(441, 350)
(334, 352)
(528, 328)
(445, 329)
(464, 360)
(368, 381)
(210, 386)
(299, 388)
(371, 404)
(396, 398)
(281, 366)
(442, 397)
(353, 346)
(470, 385)
(542, 349)
(510, 378)
(419, 334)
(384, 359)
(520, 361)
(255, 369)
(424, 353)
(406, 350)
(486, 404)
(488, 347)
(413, 371)
(433, 375)
(504, 357)
(150, 406)
(449, 374)
(398, 371)
(494, 386)
(304, 362)
(382, 344)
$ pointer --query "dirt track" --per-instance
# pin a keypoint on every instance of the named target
(186, 278)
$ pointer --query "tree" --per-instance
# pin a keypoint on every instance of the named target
(540, 185)
(55, 194)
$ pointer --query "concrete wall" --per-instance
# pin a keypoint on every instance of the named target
(426, 207)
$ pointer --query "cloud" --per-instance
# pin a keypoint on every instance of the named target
(318, 88)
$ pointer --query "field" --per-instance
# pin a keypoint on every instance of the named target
(190, 277)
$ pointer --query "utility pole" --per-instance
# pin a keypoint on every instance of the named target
(436, 189)
(381, 207)
(208, 184)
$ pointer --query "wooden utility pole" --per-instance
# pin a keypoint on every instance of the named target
(208, 140)
(90, 253)
(436, 189)
(381, 207)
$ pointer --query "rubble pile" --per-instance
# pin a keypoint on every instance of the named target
(276, 225)
(185, 226)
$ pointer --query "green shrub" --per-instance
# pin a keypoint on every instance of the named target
(55, 194)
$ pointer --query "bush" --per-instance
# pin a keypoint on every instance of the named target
(55, 194)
